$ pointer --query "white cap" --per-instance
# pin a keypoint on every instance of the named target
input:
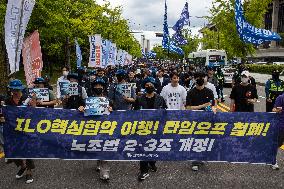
(246, 73)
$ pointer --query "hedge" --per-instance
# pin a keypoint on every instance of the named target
(264, 69)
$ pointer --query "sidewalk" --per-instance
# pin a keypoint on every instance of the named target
(262, 78)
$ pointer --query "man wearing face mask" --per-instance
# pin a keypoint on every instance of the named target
(150, 100)
(90, 80)
(121, 102)
(243, 95)
(63, 78)
(273, 88)
(98, 87)
(200, 98)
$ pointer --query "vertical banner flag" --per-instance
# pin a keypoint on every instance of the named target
(124, 54)
(78, 54)
(119, 57)
(249, 33)
(114, 50)
(95, 59)
(166, 34)
(183, 20)
(16, 20)
(32, 58)
(110, 54)
(128, 60)
(105, 52)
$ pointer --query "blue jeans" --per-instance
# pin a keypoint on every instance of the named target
(1, 134)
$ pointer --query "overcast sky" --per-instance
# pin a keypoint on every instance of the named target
(148, 15)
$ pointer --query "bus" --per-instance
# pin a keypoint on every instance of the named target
(209, 57)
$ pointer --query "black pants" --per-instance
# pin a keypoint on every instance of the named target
(269, 106)
(144, 166)
(19, 162)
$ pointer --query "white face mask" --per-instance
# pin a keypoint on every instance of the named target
(245, 80)
(65, 73)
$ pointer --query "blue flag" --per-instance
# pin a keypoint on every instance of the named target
(179, 38)
(183, 20)
(249, 33)
(166, 35)
(78, 54)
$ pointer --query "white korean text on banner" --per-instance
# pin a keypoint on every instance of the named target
(16, 20)
(42, 94)
(95, 59)
(124, 89)
(114, 58)
(32, 58)
(96, 106)
(110, 61)
(73, 89)
(119, 60)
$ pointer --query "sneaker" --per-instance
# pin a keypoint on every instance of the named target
(143, 176)
(29, 179)
(104, 177)
(20, 173)
(153, 168)
(195, 168)
(275, 166)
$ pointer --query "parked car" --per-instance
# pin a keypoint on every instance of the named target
(228, 74)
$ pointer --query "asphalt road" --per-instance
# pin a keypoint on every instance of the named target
(82, 174)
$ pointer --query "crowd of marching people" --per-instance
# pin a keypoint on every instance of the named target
(161, 86)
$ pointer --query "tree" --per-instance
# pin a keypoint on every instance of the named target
(225, 35)
(60, 20)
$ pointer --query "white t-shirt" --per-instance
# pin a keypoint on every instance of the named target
(175, 97)
(213, 89)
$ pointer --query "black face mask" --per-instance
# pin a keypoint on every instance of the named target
(200, 82)
(98, 91)
(276, 76)
(149, 90)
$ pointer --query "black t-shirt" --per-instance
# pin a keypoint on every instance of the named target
(197, 97)
(241, 94)
(150, 102)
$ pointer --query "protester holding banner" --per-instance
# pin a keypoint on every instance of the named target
(98, 88)
(17, 99)
(62, 81)
(117, 92)
(174, 94)
(200, 98)
(152, 101)
(278, 108)
(243, 96)
(91, 77)
(45, 97)
(76, 94)
(133, 81)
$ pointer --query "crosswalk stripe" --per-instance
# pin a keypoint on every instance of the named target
(2, 155)
(224, 106)
(222, 109)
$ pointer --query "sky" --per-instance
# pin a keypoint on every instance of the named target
(148, 15)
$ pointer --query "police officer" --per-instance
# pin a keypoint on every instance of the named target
(220, 85)
(273, 88)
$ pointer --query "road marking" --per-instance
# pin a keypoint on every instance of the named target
(2, 155)
(222, 109)
(224, 106)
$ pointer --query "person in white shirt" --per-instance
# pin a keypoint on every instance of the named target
(211, 87)
(174, 94)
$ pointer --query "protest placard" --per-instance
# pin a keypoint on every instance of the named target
(64, 87)
(124, 89)
(42, 94)
(96, 106)
(73, 89)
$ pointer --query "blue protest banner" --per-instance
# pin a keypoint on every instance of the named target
(141, 135)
